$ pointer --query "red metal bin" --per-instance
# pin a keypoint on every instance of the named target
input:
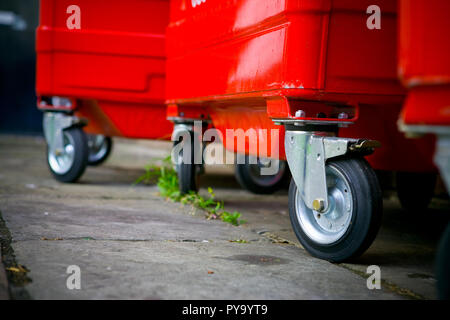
(104, 76)
(424, 68)
(311, 69)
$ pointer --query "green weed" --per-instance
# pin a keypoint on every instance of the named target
(238, 241)
(232, 218)
(167, 182)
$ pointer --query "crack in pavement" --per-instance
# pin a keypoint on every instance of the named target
(16, 279)
(386, 284)
(241, 241)
(278, 240)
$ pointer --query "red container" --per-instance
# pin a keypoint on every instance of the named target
(247, 63)
(424, 61)
(424, 67)
(113, 67)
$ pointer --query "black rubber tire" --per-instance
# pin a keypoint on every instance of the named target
(244, 174)
(99, 161)
(443, 266)
(187, 178)
(366, 216)
(188, 173)
(81, 152)
(415, 190)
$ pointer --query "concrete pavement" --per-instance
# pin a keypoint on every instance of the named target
(129, 243)
(4, 294)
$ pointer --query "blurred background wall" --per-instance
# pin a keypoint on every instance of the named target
(18, 22)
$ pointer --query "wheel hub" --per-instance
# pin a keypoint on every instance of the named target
(98, 147)
(328, 226)
(266, 180)
(61, 160)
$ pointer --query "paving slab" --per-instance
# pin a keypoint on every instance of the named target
(130, 243)
(4, 294)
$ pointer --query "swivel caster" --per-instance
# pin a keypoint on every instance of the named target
(335, 201)
(188, 171)
(68, 163)
(250, 178)
(99, 149)
(352, 219)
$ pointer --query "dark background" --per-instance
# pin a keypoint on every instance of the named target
(18, 111)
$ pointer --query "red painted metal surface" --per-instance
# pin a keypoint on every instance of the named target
(424, 61)
(113, 67)
(249, 61)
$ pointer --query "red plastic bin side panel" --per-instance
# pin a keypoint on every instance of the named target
(118, 54)
(125, 119)
(262, 136)
(233, 67)
(424, 63)
(359, 59)
(226, 47)
(424, 42)
(282, 45)
(214, 21)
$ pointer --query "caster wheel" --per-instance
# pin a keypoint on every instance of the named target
(415, 190)
(99, 149)
(69, 164)
(188, 173)
(443, 266)
(349, 225)
(249, 177)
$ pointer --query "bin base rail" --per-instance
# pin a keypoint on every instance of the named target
(442, 153)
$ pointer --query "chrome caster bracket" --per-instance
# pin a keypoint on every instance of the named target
(54, 123)
(307, 153)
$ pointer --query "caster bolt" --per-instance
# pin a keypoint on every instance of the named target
(300, 114)
(318, 205)
(343, 115)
